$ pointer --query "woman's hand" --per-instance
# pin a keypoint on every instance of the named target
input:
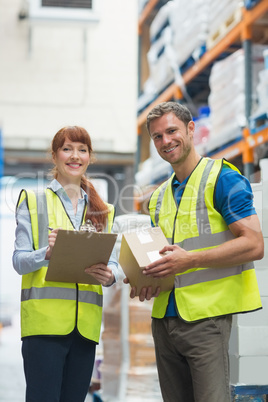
(102, 273)
(51, 242)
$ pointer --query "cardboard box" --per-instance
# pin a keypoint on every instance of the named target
(258, 318)
(260, 191)
(250, 370)
(138, 250)
(249, 341)
(262, 279)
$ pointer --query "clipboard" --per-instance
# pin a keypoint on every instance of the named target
(74, 251)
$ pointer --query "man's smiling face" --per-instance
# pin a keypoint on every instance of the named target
(172, 139)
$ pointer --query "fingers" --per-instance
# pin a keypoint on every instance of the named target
(157, 292)
(160, 271)
(167, 248)
(158, 263)
(143, 294)
(102, 273)
(146, 293)
(52, 237)
(133, 292)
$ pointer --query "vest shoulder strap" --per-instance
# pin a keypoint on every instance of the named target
(37, 205)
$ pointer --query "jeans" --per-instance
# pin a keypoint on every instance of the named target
(57, 368)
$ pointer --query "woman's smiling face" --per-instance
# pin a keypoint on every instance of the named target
(71, 160)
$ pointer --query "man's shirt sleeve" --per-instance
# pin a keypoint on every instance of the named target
(233, 196)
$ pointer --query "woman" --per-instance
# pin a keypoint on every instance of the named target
(60, 322)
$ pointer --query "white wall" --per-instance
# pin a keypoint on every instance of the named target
(54, 74)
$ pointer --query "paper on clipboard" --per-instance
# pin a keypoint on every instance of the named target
(74, 251)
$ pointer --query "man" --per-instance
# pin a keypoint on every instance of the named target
(206, 212)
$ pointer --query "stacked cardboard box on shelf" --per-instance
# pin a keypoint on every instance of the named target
(189, 21)
(223, 16)
(161, 72)
(227, 97)
(178, 34)
(262, 93)
(249, 336)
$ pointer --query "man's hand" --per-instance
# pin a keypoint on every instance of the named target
(175, 260)
(146, 293)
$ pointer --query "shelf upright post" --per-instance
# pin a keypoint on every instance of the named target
(246, 33)
(138, 152)
(247, 155)
(1, 175)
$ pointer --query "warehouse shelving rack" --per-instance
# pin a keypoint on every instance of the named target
(252, 137)
(241, 33)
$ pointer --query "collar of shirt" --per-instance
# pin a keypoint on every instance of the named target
(77, 218)
(57, 188)
(178, 188)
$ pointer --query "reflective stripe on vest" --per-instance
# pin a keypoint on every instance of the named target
(201, 292)
(61, 294)
(211, 274)
(41, 201)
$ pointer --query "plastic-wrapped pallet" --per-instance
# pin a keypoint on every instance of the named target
(148, 95)
(262, 87)
(189, 24)
(223, 16)
(227, 96)
(262, 91)
(143, 176)
(161, 71)
(161, 21)
(259, 117)
(178, 32)
(202, 130)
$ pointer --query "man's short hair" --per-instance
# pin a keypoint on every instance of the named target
(180, 111)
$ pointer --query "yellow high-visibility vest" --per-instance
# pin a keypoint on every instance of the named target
(195, 225)
(56, 308)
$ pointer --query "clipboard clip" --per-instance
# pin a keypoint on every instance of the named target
(88, 227)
